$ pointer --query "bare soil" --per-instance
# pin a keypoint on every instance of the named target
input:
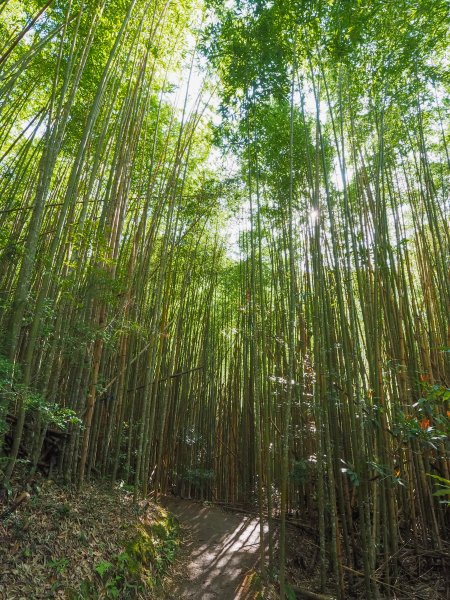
(222, 549)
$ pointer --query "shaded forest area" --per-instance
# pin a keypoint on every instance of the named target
(224, 265)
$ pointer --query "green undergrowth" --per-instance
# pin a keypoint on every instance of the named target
(140, 567)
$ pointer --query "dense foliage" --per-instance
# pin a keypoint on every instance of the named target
(305, 369)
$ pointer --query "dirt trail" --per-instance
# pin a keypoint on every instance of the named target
(223, 552)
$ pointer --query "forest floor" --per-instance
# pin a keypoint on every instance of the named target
(219, 561)
(97, 544)
(59, 544)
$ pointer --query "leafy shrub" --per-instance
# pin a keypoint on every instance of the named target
(12, 390)
(428, 419)
(442, 486)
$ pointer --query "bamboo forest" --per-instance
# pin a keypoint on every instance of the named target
(225, 285)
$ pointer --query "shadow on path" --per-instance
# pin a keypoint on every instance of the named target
(223, 549)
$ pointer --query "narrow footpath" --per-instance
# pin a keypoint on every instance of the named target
(223, 551)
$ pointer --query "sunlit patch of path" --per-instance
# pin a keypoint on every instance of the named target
(223, 549)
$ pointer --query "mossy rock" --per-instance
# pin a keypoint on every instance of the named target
(152, 549)
(141, 565)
